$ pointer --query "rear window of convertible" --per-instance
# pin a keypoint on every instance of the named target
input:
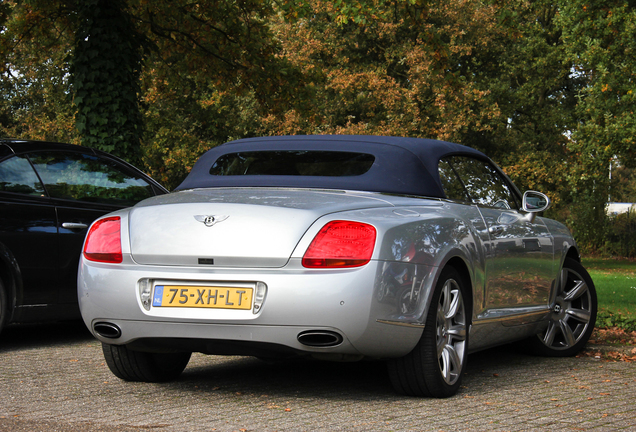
(293, 162)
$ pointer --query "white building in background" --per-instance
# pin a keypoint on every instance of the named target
(614, 208)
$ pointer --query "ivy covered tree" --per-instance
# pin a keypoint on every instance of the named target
(105, 70)
(106, 45)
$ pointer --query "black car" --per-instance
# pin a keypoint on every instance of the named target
(50, 193)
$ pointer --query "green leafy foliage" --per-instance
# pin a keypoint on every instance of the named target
(607, 319)
(601, 48)
(620, 239)
(545, 88)
(105, 67)
(34, 77)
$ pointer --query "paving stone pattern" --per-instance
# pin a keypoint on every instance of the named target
(54, 378)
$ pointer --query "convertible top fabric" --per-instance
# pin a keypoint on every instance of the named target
(402, 165)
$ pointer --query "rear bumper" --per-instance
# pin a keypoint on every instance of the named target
(342, 302)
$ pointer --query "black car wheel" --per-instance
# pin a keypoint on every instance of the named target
(132, 365)
(574, 308)
(434, 368)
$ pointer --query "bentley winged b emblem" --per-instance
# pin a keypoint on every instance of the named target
(209, 220)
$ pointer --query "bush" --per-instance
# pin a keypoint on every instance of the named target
(621, 235)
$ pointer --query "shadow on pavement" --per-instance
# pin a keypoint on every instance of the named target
(366, 380)
(15, 337)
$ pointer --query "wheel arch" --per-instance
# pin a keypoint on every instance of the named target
(573, 253)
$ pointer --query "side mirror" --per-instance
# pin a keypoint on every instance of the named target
(533, 203)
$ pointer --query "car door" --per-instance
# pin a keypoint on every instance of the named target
(520, 262)
(83, 187)
(28, 231)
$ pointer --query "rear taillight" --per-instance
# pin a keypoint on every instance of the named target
(341, 244)
(103, 242)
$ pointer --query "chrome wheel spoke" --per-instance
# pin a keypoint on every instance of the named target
(580, 288)
(563, 281)
(449, 364)
(458, 332)
(550, 333)
(570, 340)
(579, 314)
(446, 298)
(454, 306)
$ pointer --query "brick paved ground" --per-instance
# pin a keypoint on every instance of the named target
(53, 378)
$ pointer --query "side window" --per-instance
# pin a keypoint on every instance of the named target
(88, 178)
(453, 187)
(17, 176)
(483, 182)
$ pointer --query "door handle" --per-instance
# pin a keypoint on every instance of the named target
(496, 229)
(74, 226)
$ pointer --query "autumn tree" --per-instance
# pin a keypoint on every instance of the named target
(546, 88)
(105, 69)
(404, 72)
(600, 42)
(219, 43)
(529, 76)
(214, 69)
(34, 78)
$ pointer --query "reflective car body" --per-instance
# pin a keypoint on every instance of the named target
(339, 248)
(49, 195)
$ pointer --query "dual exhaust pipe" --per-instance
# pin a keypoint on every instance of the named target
(320, 338)
(107, 330)
(311, 338)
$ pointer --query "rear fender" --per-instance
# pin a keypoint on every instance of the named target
(413, 248)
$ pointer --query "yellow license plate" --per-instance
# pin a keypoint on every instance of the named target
(202, 297)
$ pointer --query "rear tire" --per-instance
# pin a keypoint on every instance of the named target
(574, 308)
(435, 366)
(132, 365)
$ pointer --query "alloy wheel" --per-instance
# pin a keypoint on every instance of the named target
(451, 332)
(572, 312)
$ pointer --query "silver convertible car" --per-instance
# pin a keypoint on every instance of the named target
(413, 251)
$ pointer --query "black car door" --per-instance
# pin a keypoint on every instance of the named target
(28, 232)
(83, 187)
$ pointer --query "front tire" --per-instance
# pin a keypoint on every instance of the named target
(435, 366)
(131, 365)
(574, 308)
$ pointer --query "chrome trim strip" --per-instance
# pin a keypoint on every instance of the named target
(400, 323)
(511, 317)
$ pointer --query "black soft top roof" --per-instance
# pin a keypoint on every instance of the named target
(401, 166)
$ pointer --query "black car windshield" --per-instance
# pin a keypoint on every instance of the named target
(294, 163)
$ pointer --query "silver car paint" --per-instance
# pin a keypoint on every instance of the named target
(260, 230)
(345, 300)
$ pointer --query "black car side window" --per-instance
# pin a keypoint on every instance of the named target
(83, 177)
(452, 185)
(484, 183)
(17, 176)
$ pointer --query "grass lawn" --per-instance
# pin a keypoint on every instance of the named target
(615, 282)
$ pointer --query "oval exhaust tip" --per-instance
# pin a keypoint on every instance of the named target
(319, 338)
(107, 330)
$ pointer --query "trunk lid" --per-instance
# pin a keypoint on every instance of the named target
(232, 227)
